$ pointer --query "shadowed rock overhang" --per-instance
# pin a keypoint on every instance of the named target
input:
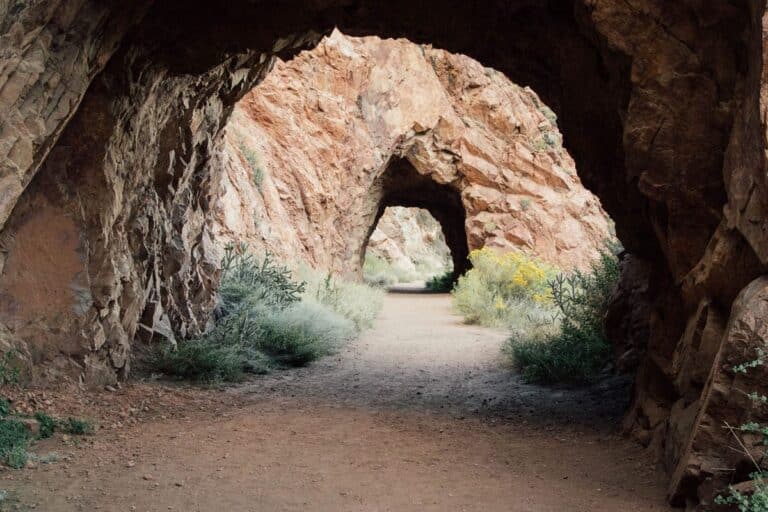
(660, 104)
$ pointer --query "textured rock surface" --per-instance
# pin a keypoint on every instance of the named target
(661, 104)
(412, 241)
(308, 155)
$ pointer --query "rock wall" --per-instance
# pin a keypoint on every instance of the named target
(661, 104)
(307, 152)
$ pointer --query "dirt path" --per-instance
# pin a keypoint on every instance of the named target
(419, 414)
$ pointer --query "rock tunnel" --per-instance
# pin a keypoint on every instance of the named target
(114, 109)
(402, 185)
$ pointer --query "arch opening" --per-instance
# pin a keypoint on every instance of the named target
(402, 185)
(407, 246)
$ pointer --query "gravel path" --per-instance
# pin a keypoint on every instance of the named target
(419, 414)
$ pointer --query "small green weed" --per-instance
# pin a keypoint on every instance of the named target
(76, 426)
(47, 424)
(9, 372)
(14, 438)
(441, 284)
(254, 163)
(17, 457)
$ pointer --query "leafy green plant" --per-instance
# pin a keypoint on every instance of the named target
(266, 320)
(77, 426)
(17, 457)
(247, 281)
(14, 438)
(47, 424)
(577, 350)
(757, 499)
(442, 283)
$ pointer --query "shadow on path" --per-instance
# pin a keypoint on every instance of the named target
(420, 356)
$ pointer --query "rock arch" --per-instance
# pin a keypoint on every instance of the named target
(402, 185)
(660, 104)
(331, 150)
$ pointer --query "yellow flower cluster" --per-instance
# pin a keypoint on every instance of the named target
(512, 274)
(498, 283)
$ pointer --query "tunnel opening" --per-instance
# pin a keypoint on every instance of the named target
(407, 246)
(401, 185)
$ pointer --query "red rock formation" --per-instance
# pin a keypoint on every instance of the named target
(320, 154)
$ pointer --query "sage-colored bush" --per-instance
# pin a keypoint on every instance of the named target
(265, 319)
(498, 283)
(574, 348)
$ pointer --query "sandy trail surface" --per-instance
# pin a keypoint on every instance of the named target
(421, 413)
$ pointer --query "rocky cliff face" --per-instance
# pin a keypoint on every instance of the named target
(314, 154)
(115, 109)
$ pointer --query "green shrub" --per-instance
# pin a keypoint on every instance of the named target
(577, 350)
(5, 407)
(358, 302)
(13, 436)
(47, 425)
(571, 355)
(17, 457)
(442, 283)
(247, 282)
(497, 283)
(265, 320)
(199, 359)
(77, 426)
(302, 333)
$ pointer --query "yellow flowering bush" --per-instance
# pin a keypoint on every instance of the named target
(498, 282)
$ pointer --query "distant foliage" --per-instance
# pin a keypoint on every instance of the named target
(358, 302)
(442, 283)
(577, 350)
(379, 272)
(265, 319)
(497, 283)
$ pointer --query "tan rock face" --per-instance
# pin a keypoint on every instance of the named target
(306, 174)
(661, 104)
(412, 241)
